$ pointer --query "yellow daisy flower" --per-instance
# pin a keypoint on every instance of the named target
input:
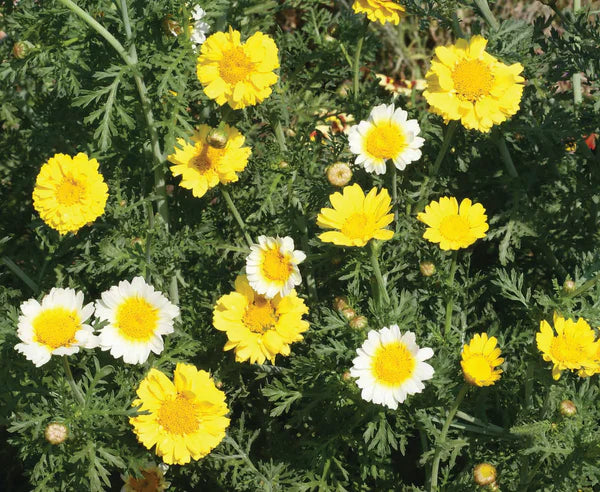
(357, 218)
(451, 226)
(69, 192)
(203, 166)
(465, 83)
(573, 347)
(240, 74)
(186, 418)
(480, 359)
(381, 11)
(259, 328)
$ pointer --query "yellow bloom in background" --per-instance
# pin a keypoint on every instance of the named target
(240, 74)
(69, 192)
(480, 360)
(381, 11)
(258, 328)
(187, 415)
(573, 347)
(465, 83)
(451, 226)
(152, 480)
(357, 218)
(203, 166)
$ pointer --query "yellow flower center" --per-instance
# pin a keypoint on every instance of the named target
(357, 226)
(477, 368)
(385, 141)
(180, 415)
(566, 349)
(70, 191)
(207, 159)
(136, 319)
(276, 266)
(473, 79)
(393, 364)
(260, 316)
(235, 66)
(149, 482)
(56, 327)
(455, 228)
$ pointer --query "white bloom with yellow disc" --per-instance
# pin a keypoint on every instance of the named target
(138, 317)
(388, 134)
(56, 326)
(390, 366)
(272, 266)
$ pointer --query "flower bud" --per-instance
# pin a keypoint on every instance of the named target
(339, 174)
(567, 408)
(346, 376)
(427, 268)
(56, 433)
(217, 138)
(339, 303)
(358, 323)
(484, 474)
(283, 164)
(348, 313)
(170, 26)
(21, 49)
(569, 286)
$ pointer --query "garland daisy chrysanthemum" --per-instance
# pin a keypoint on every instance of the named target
(138, 317)
(69, 192)
(465, 83)
(56, 326)
(203, 166)
(272, 266)
(451, 226)
(480, 360)
(186, 418)
(387, 134)
(390, 366)
(357, 218)
(381, 11)
(240, 74)
(574, 347)
(258, 328)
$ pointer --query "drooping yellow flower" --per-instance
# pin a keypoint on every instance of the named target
(203, 166)
(258, 328)
(451, 226)
(240, 74)
(480, 360)
(381, 11)
(186, 418)
(357, 218)
(69, 192)
(465, 83)
(573, 347)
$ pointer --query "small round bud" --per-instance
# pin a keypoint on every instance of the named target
(348, 313)
(358, 323)
(427, 268)
(137, 241)
(283, 164)
(346, 376)
(339, 303)
(339, 174)
(217, 138)
(484, 474)
(56, 433)
(21, 49)
(567, 408)
(219, 384)
(569, 286)
(169, 189)
(122, 203)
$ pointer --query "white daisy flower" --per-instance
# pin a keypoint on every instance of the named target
(272, 266)
(387, 134)
(199, 28)
(390, 366)
(55, 327)
(137, 318)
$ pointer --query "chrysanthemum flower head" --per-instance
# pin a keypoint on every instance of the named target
(357, 218)
(69, 192)
(381, 11)
(465, 83)
(387, 134)
(259, 328)
(240, 74)
(186, 418)
(272, 266)
(56, 326)
(480, 360)
(573, 347)
(451, 226)
(390, 366)
(152, 480)
(138, 317)
(203, 166)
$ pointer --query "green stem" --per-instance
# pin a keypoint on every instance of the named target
(13, 267)
(268, 487)
(150, 212)
(487, 14)
(450, 302)
(442, 439)
(280, 137)
(356, 63)
(76, 391)
(381, 289)
(506, 157)
(394, 177)
(577, 92)
(585, 287)
(236, 215)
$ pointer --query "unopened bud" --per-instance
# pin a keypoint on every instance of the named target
(484, 474)
(21, 49)
(348, 313)
(339, 174)
(567, 408)
(137, 240)
(339, 303)
(122, 203)
(358, 323)
(171, 26)
(219, 384)
(217, 138)
(569, 286)
(283, 164)
(56, 433)
(427, 268)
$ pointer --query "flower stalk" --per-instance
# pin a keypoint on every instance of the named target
(450, 302)
(356, 63)
(76, 391)
(381, 293)
(236, 215)
(484, 8)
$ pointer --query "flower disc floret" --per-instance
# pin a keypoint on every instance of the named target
(381, 11)
(69, 192)
(480, 360)
(468, 84)
(240, 74)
